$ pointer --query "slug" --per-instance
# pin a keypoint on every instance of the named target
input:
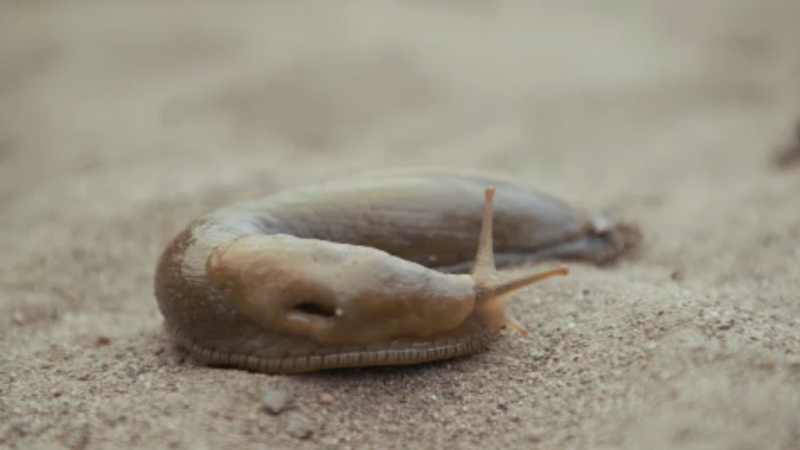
(371, 270)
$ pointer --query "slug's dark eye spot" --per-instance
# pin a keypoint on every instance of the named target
(315, 309)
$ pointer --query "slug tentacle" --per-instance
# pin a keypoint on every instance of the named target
(371, 270)
(492, 294)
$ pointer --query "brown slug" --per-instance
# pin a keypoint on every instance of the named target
(366, 271)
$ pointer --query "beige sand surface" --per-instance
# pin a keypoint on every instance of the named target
(120, 123)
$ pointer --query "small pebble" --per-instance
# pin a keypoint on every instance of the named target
(300, 427)
(535, 435)
(274, 402)
(326, 398)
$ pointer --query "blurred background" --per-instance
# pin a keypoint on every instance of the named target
(293, 91)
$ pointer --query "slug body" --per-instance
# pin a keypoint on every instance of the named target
(366, 271)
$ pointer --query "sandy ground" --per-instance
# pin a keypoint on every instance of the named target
(120, 123)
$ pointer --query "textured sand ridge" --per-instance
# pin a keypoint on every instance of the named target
(121, 122)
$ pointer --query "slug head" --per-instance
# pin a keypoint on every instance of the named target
(337, 294)
(340, 294)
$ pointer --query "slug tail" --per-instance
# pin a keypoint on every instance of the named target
(493, 294)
